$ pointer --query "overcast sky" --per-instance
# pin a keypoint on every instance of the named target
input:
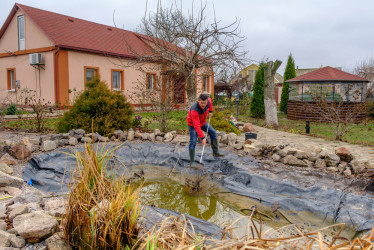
(338, 33)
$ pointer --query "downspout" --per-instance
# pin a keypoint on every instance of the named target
(56, 73)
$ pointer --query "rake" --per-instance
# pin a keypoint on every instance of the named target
(206, 134)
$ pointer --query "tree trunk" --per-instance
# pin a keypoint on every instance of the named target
(269, 95)
(190, 89)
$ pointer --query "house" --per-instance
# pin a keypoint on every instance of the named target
(246, 79)
(53, 54)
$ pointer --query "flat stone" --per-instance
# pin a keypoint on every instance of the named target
(5, 168)
(293, 161)
(4, 239)
(157, 132)
(344, 154)
(232, 139)
(347, 172)
(331, 159)
(48, 145)
(29, 197)
(145, 136)
(224, 139)
(73, 141)
(138, 135)
(55, 207)
(159, 138)
(86, 140)
(184, 139)
(276, 157)
(8, 180)
(103, 139)
(320, 163)
(238, 146)
(357, 166)
(20, 151)
(17, 241)
(13, 191)
(18, 210)
(8, 159)
(3, 225)
(80, 132)
(35, 226)
(57, 242)
(168, 137)
(248, 127)
(333, 169)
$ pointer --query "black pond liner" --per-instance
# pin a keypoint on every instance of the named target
(241, 175)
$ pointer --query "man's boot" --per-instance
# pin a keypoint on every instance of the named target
(216, 153)
(192, 158)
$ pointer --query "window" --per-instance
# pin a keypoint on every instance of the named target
(11, 74)
(151, 81)
(90, 73)
(205, 83)
(21, 33)
(117, 80)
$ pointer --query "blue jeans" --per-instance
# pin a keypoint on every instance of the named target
(193, 134)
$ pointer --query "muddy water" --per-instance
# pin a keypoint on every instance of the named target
(166, 189)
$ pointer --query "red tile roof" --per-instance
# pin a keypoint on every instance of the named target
(74, 33)
(328, 74)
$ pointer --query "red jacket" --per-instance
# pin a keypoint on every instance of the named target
(197, 117)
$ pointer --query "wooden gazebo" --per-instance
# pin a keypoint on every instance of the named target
(333, 85)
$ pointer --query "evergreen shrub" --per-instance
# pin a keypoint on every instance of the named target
(11, 110)
(257, 103)
(221, 121)
(98, 108)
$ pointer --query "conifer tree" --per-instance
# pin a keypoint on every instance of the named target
(289, 73)
(257, 104)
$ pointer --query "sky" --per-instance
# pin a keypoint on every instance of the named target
(337, 33)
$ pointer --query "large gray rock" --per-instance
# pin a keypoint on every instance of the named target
(5, 168)
(299, 154)
(35, 226)
(48, 145)
(254, 150)
(293, 161)
(94, 136)
(232, 139)
(29, 197)
(224, 139)
(20, 151)
(73, 141)
(331, 159)
(357, 166)
(80, 132)
(8, 180)
(57, 242)
(86, 140)
(4, 239)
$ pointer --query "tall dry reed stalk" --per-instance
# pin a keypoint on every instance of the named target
(102, 211)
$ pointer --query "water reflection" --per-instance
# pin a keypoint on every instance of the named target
(173, 196)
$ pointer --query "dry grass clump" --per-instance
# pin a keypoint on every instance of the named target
(173, 233)
(102, 211)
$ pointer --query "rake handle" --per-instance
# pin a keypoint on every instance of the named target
(206, 134)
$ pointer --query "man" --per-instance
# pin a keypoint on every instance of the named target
(196, 120)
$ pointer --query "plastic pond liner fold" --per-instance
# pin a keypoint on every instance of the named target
(298, 196)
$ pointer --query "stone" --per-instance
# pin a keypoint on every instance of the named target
(312, 156)
(3, 225)
(117, 133)
(219, 137)
(103, 139)
(342, 166)
(232, 139)
(71, 132)
(113, 138)
(357, 166)
(145, 136)
(12, 231)
(33, 206)
(276, 157)
(55, 207)
(138, 135)
(331, 159)
(239, 145)
(333, 169)
(320, 163)
(176, 139)
(248, 141)
(5, 168)
(35, 226)
(157, 132)
(64, 142)
(20, 151)
(293, 161)
(184, 139)
(73, 141)
(65, 136)
(26, 141)
(56, 137)
(347, 172)
(299, 154)
(173, 132)
(80, 132)
(57, 242)
(48, 145)
(94, 136)
(17, 241)
(131, 135)
(29, 197)
(8, 159)
(224, 139)
(159, 138)
(248, 127)
(344, 154)
(2, 212)
(86, 140)
(4, 239)
(35, 141)
(8, 180)
(18, 210)
(253, 150)
(168, 137)
(152, 137)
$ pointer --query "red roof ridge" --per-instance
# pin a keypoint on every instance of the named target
(328, 74)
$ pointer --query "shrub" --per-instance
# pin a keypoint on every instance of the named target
(11, 110)
(137, 122)
(257, 103)
(98, 108)
(289, 73)
(221, 121)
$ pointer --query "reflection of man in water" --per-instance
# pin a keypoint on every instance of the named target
(195, 207)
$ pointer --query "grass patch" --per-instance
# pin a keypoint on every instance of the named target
(102, 211)
(29, 125)
(176, 122)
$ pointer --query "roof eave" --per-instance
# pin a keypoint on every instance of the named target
(330, 80)
(96, 51)
(8, 20)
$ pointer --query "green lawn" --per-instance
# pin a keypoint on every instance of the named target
(29, 125)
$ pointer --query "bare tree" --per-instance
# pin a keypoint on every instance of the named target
(269, 95)
(190, 45)
(365, 69)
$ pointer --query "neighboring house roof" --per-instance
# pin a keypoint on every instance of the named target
(300, 72)
(77, 34)
(328, 74)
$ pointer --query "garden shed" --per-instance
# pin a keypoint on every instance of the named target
(333, 86)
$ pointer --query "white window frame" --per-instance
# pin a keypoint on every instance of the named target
(21, 40)
(150, 81)
(119, 79)
(205, 83)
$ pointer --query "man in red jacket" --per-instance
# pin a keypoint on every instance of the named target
(196, 120)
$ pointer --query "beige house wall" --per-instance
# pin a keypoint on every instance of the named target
(34, 37)
(28, 77)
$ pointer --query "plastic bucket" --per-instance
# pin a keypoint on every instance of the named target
(250, 135)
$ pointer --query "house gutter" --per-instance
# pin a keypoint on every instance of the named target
(55, 68)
